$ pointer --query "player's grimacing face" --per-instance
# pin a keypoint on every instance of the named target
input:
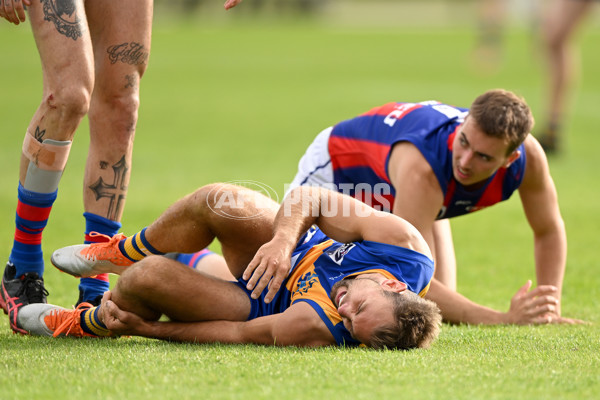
(362, 306)
(475, 155)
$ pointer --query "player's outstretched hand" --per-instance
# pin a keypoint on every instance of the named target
(14, 10)
(231, 3)
(537, 306)
(270, 266)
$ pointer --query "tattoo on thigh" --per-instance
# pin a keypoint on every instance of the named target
(115, 191)
(39, 134)
(63, 14)
(132, 81)
(129, 53)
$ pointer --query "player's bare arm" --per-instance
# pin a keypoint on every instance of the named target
(340, 217)
(297, 326)
(540, 203)
(419, 200)
(419, 197)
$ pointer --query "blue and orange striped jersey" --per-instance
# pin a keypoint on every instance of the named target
(318, 262)
(360, 149)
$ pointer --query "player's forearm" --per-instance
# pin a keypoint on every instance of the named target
(199, 332)
(298, 212)
(550, 258)
(457, 309)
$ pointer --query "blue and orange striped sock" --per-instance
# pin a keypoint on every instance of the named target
(33, 210)
(91, 288)
(137, 247)
(90, 322)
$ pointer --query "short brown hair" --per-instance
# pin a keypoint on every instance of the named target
(502, 114)
(417, 323)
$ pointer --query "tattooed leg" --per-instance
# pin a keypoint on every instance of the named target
(66, 17)
(120, 33)
(114, 191)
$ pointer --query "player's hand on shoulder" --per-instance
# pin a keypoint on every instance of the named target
(269, 267)
(13, 10)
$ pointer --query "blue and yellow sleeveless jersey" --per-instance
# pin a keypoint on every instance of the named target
(360, 150)
(318, 262)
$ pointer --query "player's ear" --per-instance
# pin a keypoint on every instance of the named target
(512, 158)
(393, 285)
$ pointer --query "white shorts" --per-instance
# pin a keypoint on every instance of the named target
(314, 168)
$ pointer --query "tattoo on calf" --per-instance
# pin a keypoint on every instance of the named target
(39, 134)
(115, 191)
(129, 53)
(63, 14)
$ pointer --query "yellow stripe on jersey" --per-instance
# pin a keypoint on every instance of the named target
(304, 283)
(423, 292)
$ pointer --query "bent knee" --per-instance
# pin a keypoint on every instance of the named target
(121, 111)
(71, 102)
(142, 275)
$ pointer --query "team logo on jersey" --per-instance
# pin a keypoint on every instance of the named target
(306, 282)
(337, 255)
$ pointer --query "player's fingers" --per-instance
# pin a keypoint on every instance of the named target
(545, 309)
(573, 321)
(251, 267)
(274, 286)
(543, 290)
(256, 276)
(2, 12)
(111, 318)
(523, 289)
(262, 282)
(10, 11)
(112, 309)
(20, 10)
(105, 297)
(231, 3)
(542, 320)
(547, 300)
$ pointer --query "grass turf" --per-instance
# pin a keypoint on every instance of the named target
(242, 100)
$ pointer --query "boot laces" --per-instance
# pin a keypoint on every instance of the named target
(33, 286)
(67, 322)
(104, 250)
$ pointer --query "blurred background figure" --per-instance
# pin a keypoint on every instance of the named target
(562, 19)
(493, 19)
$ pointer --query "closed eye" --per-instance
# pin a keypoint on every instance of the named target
(361, 307)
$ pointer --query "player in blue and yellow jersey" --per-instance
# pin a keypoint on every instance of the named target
(427, 162)
(321, 269)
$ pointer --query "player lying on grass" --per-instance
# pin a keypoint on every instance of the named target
(361, 286)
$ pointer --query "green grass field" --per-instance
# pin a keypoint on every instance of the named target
(239, 100)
